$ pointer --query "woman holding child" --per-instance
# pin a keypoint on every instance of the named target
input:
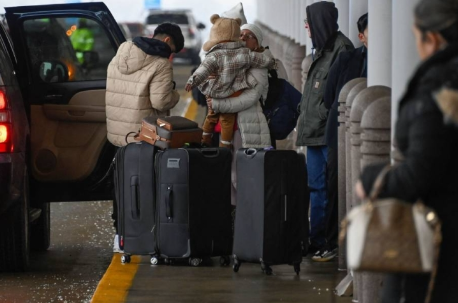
(253, 130)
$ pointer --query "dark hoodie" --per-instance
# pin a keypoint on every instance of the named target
(322, 18)
(329, 42)
(153, 47)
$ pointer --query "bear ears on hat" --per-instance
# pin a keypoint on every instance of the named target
(215, 17)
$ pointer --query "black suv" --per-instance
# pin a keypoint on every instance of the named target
(53, 144)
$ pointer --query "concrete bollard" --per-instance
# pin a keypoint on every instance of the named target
(360, 104)
(298, 54)
(341, 161)
(288, 56)
(375, 147)
(351, 89)
(306, 62)
(351, 96)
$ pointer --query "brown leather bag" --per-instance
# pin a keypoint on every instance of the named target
(176, 123)
(169, 132)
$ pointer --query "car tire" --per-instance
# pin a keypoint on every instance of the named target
(40, 233)
(14, 234)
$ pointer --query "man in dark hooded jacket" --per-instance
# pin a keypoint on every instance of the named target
(348, 65)
(328, 42)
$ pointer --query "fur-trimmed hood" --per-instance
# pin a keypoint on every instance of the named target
(447, 100)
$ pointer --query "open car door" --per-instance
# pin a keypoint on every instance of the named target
(63, 52)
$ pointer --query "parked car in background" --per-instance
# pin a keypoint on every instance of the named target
(190, 28)
(132, 29)
(53, 143)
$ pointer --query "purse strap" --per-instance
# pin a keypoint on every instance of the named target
(379, 183)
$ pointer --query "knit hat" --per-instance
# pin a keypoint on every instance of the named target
(235, 12)
(173, 31)
(223, 29)
(255, 30)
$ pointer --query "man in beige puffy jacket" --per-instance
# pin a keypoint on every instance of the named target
(140, 81)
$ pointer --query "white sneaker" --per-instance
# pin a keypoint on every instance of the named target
(116, 248)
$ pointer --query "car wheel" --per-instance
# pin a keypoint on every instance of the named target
(14, 234)
(40, 233)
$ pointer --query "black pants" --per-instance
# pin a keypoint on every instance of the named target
(332, 214)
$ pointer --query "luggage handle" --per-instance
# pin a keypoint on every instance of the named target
(250, 152)
(210, 152)
(168, 203)
(134, 197)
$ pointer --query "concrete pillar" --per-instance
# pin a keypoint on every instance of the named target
(404, 54)
(357, 9)
(344, 14)
(379, 54)
(298, 55)
(342, 161)
(351, 96)
(376, 145)
(308, 43)
(301, 25)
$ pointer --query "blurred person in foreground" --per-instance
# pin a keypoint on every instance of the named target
(349, 65)
(328, 42)
(140, 84)
(427, 136)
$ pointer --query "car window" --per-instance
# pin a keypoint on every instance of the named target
(161, 18)
(6, 68)
(67, 49)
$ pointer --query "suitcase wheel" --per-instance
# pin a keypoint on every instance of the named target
(297, 268)
(195, 261)
(125, 259)
(266, 269)
(224, 260)
(154, 261)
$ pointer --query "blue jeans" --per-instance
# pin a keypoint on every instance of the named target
(316, 169)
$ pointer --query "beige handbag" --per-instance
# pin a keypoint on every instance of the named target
(391, 235)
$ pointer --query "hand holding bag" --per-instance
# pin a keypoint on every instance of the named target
(392, 236)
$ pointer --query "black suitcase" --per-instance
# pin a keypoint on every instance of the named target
(269, 226)
(135, 193)
(194, 204)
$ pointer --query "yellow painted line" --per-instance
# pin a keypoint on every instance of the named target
(191, 113)
(115, 284)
